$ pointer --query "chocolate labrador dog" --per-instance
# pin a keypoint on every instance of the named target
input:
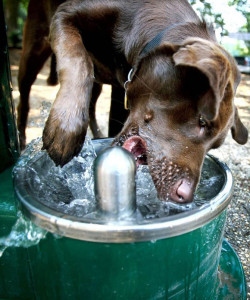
(179, 84)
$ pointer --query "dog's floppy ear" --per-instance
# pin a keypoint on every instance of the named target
(208, 58)
(239, 131)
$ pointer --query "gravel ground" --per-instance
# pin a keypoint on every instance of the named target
(237, 157)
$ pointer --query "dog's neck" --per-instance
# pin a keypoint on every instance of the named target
(201, 30)
(150, 46)
(175, 34)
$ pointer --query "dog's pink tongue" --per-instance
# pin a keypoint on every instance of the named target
(137, 146)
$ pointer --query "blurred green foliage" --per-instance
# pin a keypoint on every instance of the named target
(205, 9)
(15, 16)
(243, 6)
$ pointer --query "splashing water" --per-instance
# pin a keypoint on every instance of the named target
(70, 190)
(24, 233)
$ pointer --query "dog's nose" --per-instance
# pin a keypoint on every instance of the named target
(182, 191)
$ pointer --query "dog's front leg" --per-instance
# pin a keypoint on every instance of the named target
(65, 129)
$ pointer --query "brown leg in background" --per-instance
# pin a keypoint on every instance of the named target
(96, 91)
(52, 79)
(30, 64)
(118, 114)
(36, 50)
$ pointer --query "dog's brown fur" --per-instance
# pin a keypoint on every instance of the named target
(36, 50)
(180, 98)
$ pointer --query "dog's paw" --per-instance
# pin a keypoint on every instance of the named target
(63, 143)
(52, 79)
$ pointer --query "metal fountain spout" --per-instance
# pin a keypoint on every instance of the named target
(114, 177)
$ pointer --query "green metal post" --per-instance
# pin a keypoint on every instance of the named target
(9, 146)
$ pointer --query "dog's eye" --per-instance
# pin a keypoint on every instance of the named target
(202, 122)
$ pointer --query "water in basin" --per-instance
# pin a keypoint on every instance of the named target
(70, 190)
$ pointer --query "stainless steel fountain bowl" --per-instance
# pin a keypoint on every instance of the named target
(130, 230)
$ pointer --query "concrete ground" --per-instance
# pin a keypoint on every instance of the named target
(237, 157)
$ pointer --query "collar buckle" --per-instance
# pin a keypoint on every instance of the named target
(125, 87)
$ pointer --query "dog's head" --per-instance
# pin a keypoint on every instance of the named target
(181, 106)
